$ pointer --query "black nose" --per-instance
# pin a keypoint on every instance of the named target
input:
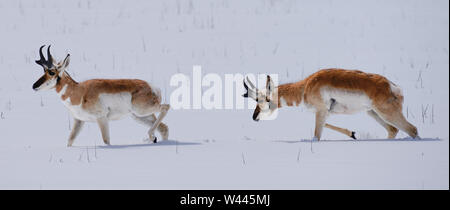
(35, 86)
(256, 113)
(255, 117)
(38, 83)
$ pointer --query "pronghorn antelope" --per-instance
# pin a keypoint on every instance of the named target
(336, 91)
(102, 100)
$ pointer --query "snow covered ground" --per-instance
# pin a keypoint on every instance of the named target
(405, 40)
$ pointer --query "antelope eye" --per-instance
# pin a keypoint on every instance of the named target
(51, 73)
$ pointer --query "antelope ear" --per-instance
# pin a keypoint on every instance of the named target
(269, 84)
(64, 65)
(66, 61)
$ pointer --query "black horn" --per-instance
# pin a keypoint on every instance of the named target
(49, 57)
(251, 90)
(246, 89)
(45, 63)
(41, 61)
(252, 86)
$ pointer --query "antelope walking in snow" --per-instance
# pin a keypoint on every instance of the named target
(337, 91)
(102, 100)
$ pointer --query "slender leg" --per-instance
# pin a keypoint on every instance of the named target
(163, 129)
(341, 130)
(392, 131)
(147, 120)
(104, 128)
(163, 111)
(321, 116)
(77, 125)
(396, 118)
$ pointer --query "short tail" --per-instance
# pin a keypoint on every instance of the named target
(396, 91)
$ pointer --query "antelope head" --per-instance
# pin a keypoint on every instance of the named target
(267, 100)
(52, 70)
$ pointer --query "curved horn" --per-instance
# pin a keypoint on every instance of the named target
(252, 86)
(269, 84)
(245, 85)
(251, 92)
(41, 60)
(49, 57)
(245, 95)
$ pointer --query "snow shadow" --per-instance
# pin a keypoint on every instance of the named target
(362, 140)
(159, 143)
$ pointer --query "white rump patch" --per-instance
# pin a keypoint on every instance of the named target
(395, 89)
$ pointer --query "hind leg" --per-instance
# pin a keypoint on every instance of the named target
(163, 129)
(395, 118)
(163, 109)
(392, 131)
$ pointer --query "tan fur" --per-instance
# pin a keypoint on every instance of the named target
(338, 129)
(375, 86)
(292, 93)
(143, 98)
(87, 92)
(102, 100)
(386, 104)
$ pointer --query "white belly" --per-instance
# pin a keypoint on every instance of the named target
(112, 106)
(118, 105)
(345, 102)
(78, 112)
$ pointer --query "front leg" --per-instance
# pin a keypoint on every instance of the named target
(104, 128)
(321, 116)
(78, 124)
(341, 130)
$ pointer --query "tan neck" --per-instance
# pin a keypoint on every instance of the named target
(291, 94)
(66, 82)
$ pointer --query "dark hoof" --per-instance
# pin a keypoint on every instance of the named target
(155, 140)
(353, 135)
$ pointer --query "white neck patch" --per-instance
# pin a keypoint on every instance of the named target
(62, 91)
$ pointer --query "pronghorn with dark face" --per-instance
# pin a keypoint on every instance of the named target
(102, 100)
(336, 91)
